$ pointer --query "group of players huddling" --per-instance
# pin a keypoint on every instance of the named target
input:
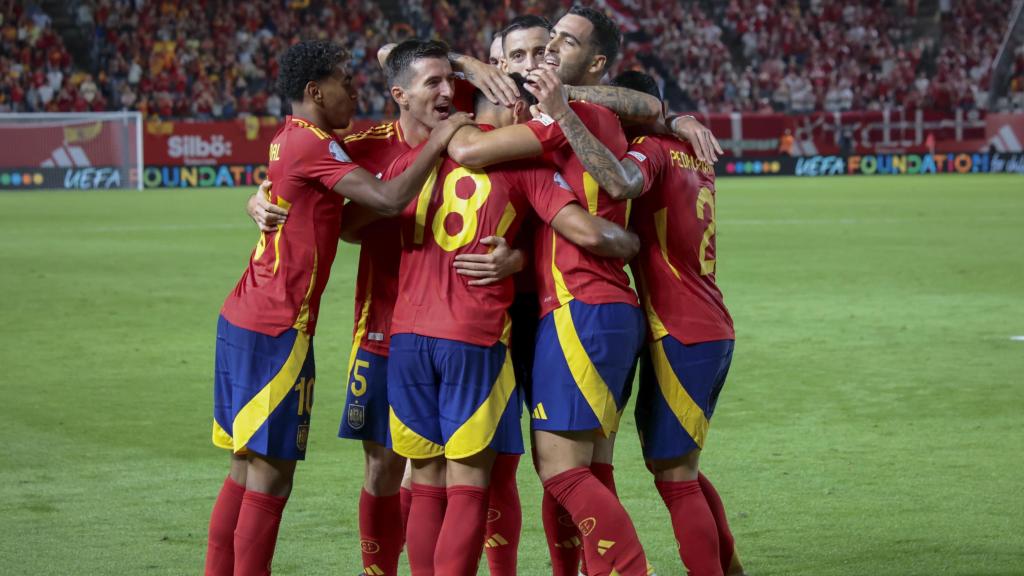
(491, 273)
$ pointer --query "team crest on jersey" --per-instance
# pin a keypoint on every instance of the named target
(338, 153)
(356, 416)
(493, 515)
(301, 437)
(369, 546)
(587, 525)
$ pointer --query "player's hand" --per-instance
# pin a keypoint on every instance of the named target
(500, 263)
(551, 94)
(704, 142)
(497, 86)
(444, 131)
(266, 215)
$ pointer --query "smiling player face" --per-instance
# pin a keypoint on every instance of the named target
(570, 50)
(430, 91)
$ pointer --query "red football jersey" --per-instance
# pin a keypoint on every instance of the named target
(675, 219)
(456, 209)
(565, 271)
(380, 251)
(289, 268)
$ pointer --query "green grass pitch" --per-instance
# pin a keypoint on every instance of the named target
(872, 422)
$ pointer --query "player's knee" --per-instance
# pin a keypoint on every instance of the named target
(270, 476)
(384, 471)
(681, 469)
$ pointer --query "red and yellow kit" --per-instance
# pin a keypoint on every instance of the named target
(564, 271)
(675, 219)
(377, 280)
(288, 270)
(457, 208)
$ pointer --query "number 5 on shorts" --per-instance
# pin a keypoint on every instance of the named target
(359, 380)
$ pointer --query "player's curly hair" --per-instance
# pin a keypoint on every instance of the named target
(606, 36)
(307, 61)
(402, 57)
(639, 81)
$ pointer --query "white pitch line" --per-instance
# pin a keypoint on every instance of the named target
(1017, 338)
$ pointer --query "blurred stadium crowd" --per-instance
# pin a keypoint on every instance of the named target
(216, 58)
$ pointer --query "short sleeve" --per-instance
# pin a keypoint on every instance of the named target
(548, 132)
(546, 190)
(324, 160)
(649, 156)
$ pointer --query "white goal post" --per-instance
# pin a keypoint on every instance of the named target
(74, 150)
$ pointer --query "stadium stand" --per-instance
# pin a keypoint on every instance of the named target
(215, 59)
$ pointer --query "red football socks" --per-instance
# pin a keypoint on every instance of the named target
(256, 533)
(405, 495)
(461, 541)
(220, 546)
(603, 523)
(606, 474)
(426, 514)
(563, 538)
(379, 536)
(726, 542)
(504, 517)
(693, 525)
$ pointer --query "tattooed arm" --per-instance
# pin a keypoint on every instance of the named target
(618, 178)
(633, 107)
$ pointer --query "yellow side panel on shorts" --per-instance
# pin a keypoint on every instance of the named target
(478, 430)
(255, 413)
(587, 378)
(221, 439)
(406, 442)
(690, 416)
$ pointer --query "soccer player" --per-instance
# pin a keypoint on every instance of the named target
(592, 327)
(451, 387)
(691, 333)
(265, 371)
(421, 79)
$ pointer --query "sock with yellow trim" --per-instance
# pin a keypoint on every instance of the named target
(564, 543)
(504, 517)
(426, 514)
(220, 545)
(603, 523)
(693, 525)
(606, 474)
(461, 541)
(380, 537)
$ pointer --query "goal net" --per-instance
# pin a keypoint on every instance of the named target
(80, 151)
